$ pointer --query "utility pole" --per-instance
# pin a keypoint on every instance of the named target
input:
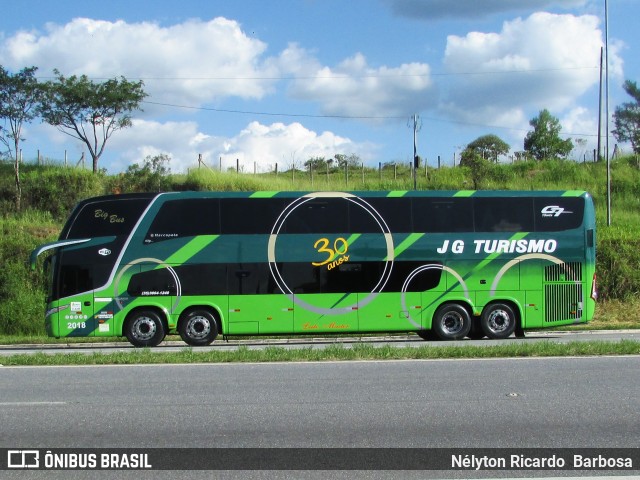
(414, 170)
(600, 107)
(606, 68)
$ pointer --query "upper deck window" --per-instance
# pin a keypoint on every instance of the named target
(185, 218)
(103, 218)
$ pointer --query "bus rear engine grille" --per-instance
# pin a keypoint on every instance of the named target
(563, 302)
(565, 272)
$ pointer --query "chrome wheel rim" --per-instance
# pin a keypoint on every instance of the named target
(198, 327)
(144, 328)
(499, 321)
(452, 323)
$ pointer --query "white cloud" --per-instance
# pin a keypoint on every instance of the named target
(286, 144)
(189, 63)
(353, 88)
(581, 125)
(543, 61)
(265, 145)
(202, 62)
(180, 140)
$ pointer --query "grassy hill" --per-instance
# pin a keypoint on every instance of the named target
(49, 193)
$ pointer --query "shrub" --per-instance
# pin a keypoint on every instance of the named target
(56, 190)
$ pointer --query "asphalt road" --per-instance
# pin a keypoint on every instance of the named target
(310, 342)
(545, 402)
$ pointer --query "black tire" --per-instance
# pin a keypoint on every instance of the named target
(498, 320)
(476, 333)
(427, 335)
(144, 328)
(451, 322)
(198, 328)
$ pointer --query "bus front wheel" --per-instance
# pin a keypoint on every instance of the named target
(498, 320)
(451, 322)
(198, 328)
(144, 328)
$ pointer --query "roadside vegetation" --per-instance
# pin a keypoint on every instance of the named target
(331, 353)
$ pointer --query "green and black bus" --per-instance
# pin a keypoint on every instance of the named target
(442, 264)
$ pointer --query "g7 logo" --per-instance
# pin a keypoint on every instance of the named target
(340, 247)
(553, 211)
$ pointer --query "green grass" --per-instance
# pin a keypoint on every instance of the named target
(331, 353)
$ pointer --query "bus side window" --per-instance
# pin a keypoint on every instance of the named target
(322, 215)
(558, 214)
(246, 216)
(442, 215)
(185, 218)
(396, 213)
(503, 214)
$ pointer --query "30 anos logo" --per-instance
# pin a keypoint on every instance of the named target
(104, 252)
(23, 459)
(553, 211)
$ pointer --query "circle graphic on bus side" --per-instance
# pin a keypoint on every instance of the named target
(417, 271)
(150, 260)
(521, 258)
(277, 274)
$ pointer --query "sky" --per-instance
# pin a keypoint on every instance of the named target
(281, 81)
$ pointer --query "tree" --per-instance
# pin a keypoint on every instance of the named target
(627, 118)
(544, 140)
(489, 147)
(350, 161)
(20, 95)
(89, 111)
(480, 168)
(151, 177)
(316, 164)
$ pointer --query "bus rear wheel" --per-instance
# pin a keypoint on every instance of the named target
(451, 322)
(498, 320)
(144, 328)
(199, 328)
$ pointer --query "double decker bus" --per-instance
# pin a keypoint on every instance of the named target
(446, 265)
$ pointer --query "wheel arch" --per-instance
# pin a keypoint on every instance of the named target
(214, 309)
(515, 306)
(451, 320)
(162, 312)
(463, 302)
